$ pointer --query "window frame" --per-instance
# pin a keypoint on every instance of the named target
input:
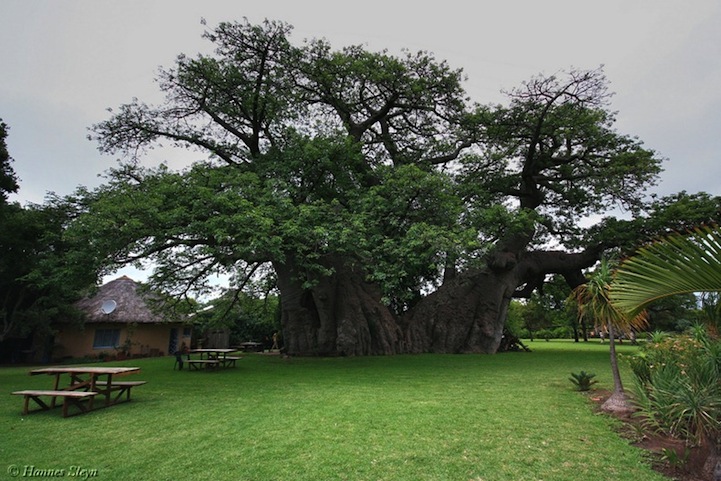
(105, 337)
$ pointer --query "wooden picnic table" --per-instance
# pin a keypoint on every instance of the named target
(211, 358)
(85, 383)
(251, 346)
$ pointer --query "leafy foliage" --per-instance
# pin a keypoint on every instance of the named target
(554, 150)
(335, 152)
(660, 217)
(676, 264)
(674, 459)
(583, 380)
(303, 140)
(42, 269)
(8, 178)
(594, 301)
(677, 386)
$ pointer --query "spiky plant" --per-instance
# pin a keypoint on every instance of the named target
(583, 380)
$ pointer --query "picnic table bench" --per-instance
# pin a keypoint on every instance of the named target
(202, 363)
(74, 398)
(122, 387)
(229, 360)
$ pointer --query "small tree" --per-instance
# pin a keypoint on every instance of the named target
(594, 304)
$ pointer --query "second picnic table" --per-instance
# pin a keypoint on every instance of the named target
(211, 358)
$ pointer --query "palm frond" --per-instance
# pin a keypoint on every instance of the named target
(594, 302)
(677, 264)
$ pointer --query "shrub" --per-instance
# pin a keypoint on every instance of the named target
(674, 459)
(677, 386)
(657, 336)
(583, 380)
(544, 334)
(562, 332)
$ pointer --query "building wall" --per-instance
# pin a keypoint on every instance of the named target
(145, 339)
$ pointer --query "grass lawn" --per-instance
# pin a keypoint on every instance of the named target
(426, 417)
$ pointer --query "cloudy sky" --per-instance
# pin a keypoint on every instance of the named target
(64, 62)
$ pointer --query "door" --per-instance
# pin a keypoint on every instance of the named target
(173, 341)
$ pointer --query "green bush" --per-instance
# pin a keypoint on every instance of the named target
(676, 386)
(583, 380)
(546, 334)
(563, 332)
(524, 333)
(656, 337)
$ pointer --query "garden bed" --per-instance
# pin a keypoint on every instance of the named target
(670, 456)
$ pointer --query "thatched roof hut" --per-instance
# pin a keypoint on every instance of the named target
(125, 317)
(120, 301)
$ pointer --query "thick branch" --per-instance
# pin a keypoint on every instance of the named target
(535, 265)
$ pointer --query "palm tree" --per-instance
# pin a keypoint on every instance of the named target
(677, 264)
(594, 303)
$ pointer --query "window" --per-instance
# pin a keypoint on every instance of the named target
(106, 338)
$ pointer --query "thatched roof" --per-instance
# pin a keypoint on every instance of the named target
(120, 300)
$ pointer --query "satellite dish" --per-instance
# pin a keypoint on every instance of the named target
(108, 306)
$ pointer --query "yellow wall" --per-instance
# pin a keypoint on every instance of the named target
(146, 339)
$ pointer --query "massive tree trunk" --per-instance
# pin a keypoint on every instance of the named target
(468, 313)
(342, 314)
(339, 314)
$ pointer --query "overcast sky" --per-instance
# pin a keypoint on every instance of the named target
(64, 62)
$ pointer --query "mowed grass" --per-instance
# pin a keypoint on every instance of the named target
(426, 417)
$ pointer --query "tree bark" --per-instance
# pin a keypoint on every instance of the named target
(339, 314)
(617, 402)
(342, 314)
(467, 315)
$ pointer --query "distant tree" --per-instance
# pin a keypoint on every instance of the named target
(42, 272)
(673, 313)
(42, 268)
(8, 178)
(710, 312)
(535, 317)
(515, 322)
(544, 311)
(249, 317)
(554, 293)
